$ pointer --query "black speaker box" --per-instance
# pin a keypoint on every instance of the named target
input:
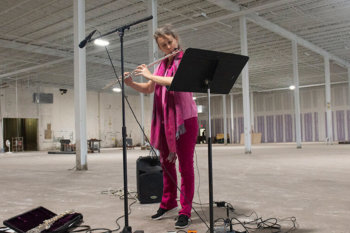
(149, 175)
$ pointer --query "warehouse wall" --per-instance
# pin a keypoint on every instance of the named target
(274, 115)
(103, 115)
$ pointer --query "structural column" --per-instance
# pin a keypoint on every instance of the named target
(99, 114)
(348, 123)
(225, 118)
(252, 111)
(296, 94)
(80, 85)
(2, 147)
(349, 90)
(348, 100)
(152, 54)
(328, 100)
(245, 86)
(232, 120)
(142, 103)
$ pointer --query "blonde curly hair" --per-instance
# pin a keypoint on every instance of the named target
(166, 30)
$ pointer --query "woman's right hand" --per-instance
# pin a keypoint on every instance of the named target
(128, 79)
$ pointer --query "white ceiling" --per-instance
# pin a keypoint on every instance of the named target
(36, 38)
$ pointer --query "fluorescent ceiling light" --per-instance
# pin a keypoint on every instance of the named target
(194, 98)
(117, 89)
(100, 42)
(291, 87)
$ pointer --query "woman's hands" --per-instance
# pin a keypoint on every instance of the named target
(144, 71)
(171, 157)
(147, 87)
(140, 70)
(143, 87)
(127, 81)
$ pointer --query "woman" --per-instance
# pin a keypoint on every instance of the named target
(174, 127)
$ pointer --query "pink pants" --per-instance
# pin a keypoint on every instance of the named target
(185, 147)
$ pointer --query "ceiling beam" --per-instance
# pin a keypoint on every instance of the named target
(183, 28)
(302, 86)
(48, 51)
(235, 14)
(253, 17)
(57, 53)
(13, 7)
(33, 48)
(65, 56)
(291, 36)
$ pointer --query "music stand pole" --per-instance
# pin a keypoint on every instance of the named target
(210, 72)
(210, 169)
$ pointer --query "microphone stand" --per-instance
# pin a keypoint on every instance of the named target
(127, 228)
(121, 30)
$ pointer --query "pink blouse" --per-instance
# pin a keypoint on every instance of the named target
(170, 108)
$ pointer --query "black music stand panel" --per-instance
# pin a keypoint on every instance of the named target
(202, 69)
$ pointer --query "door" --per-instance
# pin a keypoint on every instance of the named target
(22, 127)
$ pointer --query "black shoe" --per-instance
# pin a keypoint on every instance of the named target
(182, 222)
(161, 213)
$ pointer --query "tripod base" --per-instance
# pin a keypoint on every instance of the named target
(222, 230)
(126, 230)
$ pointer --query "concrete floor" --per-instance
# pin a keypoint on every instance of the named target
(276, 180)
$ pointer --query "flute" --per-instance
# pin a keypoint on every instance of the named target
(148, 66)
(48, 222)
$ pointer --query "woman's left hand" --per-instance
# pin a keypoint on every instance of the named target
(171, 157)
(144, 71)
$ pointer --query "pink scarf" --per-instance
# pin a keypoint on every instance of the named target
(167, 109)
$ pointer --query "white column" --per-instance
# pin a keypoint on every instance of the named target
(328, 100)
(152, 27)
(99, 114)
(80, 86)
(152, 53)
(296, 93)
(245, 86)
(348, 97)
(142, 103)
(252, 111)
(17, 135)
(2, 149)
(225, 118)
(232, 120)
(349, 89)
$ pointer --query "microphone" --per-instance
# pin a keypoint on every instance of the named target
(87, 39)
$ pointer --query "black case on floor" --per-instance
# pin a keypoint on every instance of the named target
(149, 175)
(33, 218)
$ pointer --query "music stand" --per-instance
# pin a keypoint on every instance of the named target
(204, 71)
